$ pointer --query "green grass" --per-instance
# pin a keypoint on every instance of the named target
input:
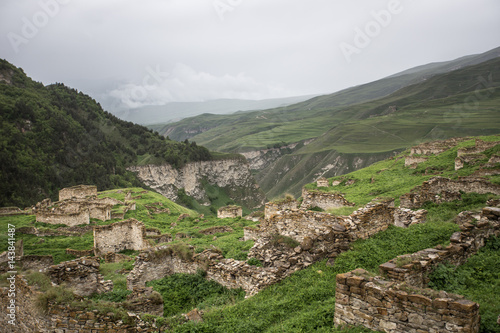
(390, 178)
(478, 280)
(183, 292)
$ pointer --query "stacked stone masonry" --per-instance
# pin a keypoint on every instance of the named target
(77, 192)
(323, 200)
(63, 318)
(119, 236)
(77, 205)
(159, 262)
(322, 182)
(273, 208)
(382, 305)
(415, 268)
(81, 275)
(398, 303)
(229, 212)
(318, 235)
(440, 189)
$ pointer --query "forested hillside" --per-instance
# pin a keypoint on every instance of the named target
(54, 136)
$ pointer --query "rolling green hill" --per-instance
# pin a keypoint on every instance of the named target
(350, 129)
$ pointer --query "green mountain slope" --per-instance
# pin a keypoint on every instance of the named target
(304, 120)
(333, 137)
(54, 136)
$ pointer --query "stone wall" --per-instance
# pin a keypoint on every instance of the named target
(10, 211)
(229, 212)
(79, 191)
(37, 263)
(398, 303)
(156, 263)
(413, 161)
(435, 147)
(414, 268)
(129, 234)
(81, 275)
(62, 318)
(82, 217)
(440, 189)
(322, 182)
(382, 305)
(323, 200)
(78, 254)
(272, 208)
(479, 147)
(363, 223)
(25, 319)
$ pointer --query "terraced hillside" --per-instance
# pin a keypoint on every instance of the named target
(331, 135)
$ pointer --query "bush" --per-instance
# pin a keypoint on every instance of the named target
(183, 292)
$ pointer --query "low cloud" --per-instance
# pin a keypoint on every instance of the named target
(185, 84)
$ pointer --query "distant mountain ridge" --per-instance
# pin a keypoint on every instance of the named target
(341, 132)
(175, 111)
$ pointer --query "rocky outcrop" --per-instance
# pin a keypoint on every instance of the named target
(232, 175)
(260, 159)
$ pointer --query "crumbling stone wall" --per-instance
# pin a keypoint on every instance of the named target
(435, 147)
(156, 263)
(399, 303)
(415, 268)
(229, 211)
(10, 211)
(78, 254)
(145, 300)
(468, 159)
(387, 306)
(62, 318)
(82, 275)
(129, 234)
(25, 318)
(79, 192)
(323, 200)
(479, 147)
(272, 208)
(363, 223)
(37, 263)
(413, 161)
(82, 217)
(440, 189)
(322, 182)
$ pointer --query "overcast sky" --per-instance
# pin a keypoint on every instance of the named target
(158, 51)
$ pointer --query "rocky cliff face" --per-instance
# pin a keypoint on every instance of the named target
(231, 175)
